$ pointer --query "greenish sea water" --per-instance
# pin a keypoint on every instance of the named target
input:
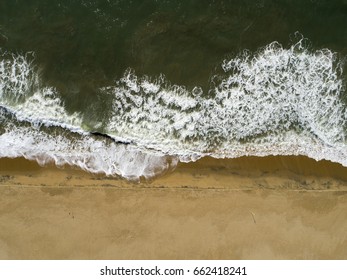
(130, 88)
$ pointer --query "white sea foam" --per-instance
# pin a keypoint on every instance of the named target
(275, 102)
(23, 96)
(22, 93)
(44, 106)
(279, 88)
(86, 152)
(153, 115)
(16, 72)
(270, 93)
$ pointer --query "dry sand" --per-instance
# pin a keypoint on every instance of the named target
(248, 208)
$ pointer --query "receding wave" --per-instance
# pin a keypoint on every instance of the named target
(276, 101)
(53, 145)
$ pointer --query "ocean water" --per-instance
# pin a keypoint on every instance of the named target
(130, 88)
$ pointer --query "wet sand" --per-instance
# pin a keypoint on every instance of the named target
(247, 208)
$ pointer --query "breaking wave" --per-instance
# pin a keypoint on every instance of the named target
(276, 101)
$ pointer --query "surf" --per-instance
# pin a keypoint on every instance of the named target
(276, 101)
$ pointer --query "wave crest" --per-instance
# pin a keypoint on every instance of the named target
(279, 89)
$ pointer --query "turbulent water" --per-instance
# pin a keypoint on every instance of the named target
(68, 108)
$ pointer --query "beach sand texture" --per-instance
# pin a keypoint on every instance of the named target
(247, 208)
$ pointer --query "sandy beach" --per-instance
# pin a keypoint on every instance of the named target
(247, 208)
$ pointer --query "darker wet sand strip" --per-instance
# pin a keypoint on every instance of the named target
(243, 166)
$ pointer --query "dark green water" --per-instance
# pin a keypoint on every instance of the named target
(82, 46)
(87, 43)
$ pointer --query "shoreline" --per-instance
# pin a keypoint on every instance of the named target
(271, 172)
(247, 208)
